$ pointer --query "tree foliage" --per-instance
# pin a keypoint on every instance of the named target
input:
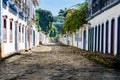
(53, 31)
(75, 19)
(62, 12)
(44, 17)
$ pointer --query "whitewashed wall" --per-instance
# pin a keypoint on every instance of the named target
(43, 38)
(8, 47)
(76, 39)
(108, 15)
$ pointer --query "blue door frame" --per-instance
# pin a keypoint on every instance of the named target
(84, 40)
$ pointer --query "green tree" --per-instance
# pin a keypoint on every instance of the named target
(62, 12)
(44, 18)
(75, 20)
(53, 32)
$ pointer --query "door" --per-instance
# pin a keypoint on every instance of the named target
(118, 41)
(99, 38)
(84, 40)
(16, 38)
(92, 39)
(102, 38)
(95, 38)
(112, 36)
(107, 36)
(33, 38)
(26, 37)
(0, 51)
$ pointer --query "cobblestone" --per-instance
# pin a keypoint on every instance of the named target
(54, 62)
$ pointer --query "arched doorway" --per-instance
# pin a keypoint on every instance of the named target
(112, 35)
(99, 38)
(95, 38)
(84, 40)
(102, 38)
(16, 37)
(107, 36)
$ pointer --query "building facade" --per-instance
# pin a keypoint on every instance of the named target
(17, 26)
(102, 33)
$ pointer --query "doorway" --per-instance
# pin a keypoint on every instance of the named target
(84, 40)
(16, 38)
(107, 37)
(112, 36)
(118, 36)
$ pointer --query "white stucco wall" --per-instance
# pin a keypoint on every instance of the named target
(108, 15)
(43, 38)
(9, 47)
(72, 38)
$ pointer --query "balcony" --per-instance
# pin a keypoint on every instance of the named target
(88, 12)
(5, 1)
(21, 6)
(98, 6)
(18, 3)
(25, 8)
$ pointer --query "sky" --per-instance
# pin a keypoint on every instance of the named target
(55, 5)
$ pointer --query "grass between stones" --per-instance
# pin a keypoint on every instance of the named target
(108, 60)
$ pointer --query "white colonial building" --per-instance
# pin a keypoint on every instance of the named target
(17, 26)
(102, 33)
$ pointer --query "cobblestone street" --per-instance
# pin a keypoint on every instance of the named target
(54, 62)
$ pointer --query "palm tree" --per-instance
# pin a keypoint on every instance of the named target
(62, 12)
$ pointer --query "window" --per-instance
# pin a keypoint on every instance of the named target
(4, 22)
(19, 29)
(23, 33)
(23, 29)
(20, 33)
(5, 28)
(10, 25)
(11, 34)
